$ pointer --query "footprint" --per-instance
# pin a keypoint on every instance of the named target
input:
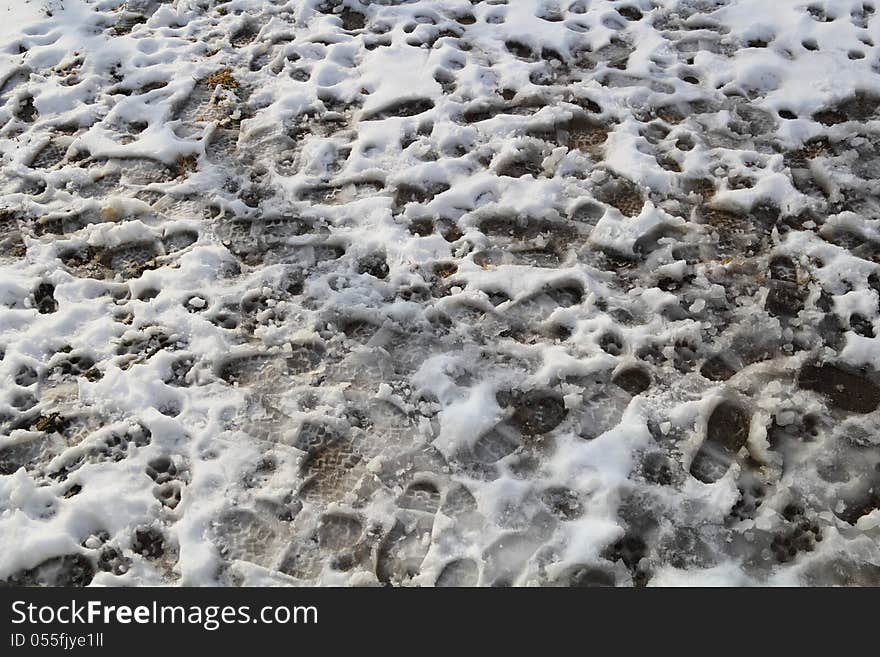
(459, 573)
(506, 558)
(332, 472)
(586, 577)
(497, 443)
(339, 531)
(844, 389)
(635, 380)
(72, 570)
(401, 109)
(726, 434)
(538, 412)
(241, 534)
(403, 549)
(243, 369)
(420, 496)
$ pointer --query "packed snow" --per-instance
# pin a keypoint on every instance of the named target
(451, 292)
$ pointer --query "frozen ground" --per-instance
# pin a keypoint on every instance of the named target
(451, 292)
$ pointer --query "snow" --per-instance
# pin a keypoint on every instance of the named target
(358, 293)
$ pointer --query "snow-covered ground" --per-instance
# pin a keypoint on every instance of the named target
(449, 292)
